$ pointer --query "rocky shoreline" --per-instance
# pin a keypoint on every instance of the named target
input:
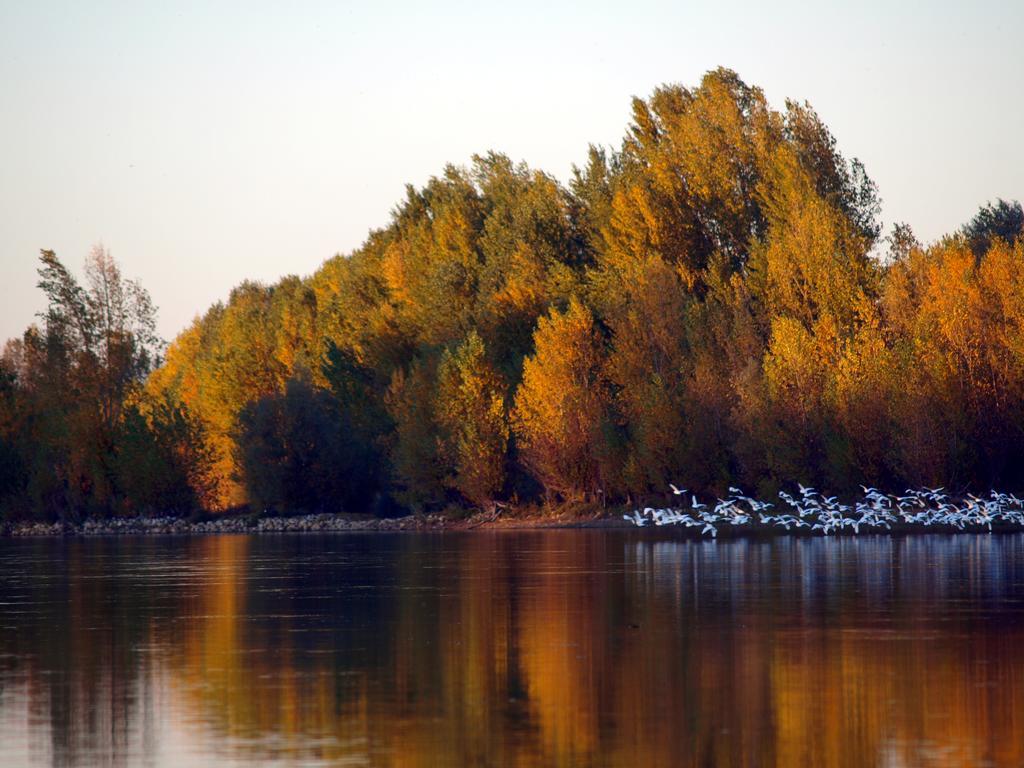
(172, 526)
(339, 523)
(313, 523)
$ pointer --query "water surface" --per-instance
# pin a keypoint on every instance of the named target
(561, 648)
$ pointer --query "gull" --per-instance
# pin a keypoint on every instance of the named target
(677, 491)
(637, 519)
(924, 507)
(724, 506)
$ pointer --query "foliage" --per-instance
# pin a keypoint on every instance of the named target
(701, 302)
(295, 454)
(1003, 220)
(562, 405)
(472, 424)
(164, 461)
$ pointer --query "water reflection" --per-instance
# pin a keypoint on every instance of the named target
(537, 648)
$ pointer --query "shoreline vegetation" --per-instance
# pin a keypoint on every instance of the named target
(712, 300)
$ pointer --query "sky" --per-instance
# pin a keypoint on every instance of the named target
(211, 142)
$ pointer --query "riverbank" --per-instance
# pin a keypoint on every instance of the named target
(436, 523)
(315, 523)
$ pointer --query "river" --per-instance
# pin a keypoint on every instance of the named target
(513, 648)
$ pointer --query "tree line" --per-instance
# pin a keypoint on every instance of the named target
(711, 303)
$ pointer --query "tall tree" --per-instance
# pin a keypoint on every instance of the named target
(561, 414)
(74, 377)
(472, 424)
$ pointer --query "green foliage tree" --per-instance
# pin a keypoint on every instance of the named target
(1002, 220)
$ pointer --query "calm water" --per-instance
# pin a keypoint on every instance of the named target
(604, 648)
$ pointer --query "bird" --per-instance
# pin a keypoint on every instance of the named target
(677, 491)
(637, 519)
(924, 507)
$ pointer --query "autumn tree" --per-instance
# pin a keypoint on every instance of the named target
(164, 461)
(237, 353)
(419, 474)
(431, 267)
(98, 344)
(813, 284)
(706, 303)
(956, 320)
(72, 392)
(532, 250)
(646, 368)
(561, 415)
(472, 424)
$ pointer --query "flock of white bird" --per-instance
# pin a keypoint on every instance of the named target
(816, 513)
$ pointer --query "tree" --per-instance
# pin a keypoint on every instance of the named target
(109, 326)
(812, 284)
(295, 454)
(12, 437)
(235, 354)
(646, 367)
(841, 183)
(362, 419)
(419, 472)
(700, 304)
(164, 462)
(561, 409)
(431, 265)
(1003, 220)
(97, 345)
(902, 242)
(532, 251)
(473, 428)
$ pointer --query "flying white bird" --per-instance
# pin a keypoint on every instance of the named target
(924, 507)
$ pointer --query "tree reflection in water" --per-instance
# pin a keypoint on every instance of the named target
(600, 648)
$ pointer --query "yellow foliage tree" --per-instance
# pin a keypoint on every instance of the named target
(470, 413)
(561, 406)
(646, 367)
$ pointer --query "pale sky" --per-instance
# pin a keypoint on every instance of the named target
(205, 143)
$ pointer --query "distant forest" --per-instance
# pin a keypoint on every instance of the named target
(711, 304)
